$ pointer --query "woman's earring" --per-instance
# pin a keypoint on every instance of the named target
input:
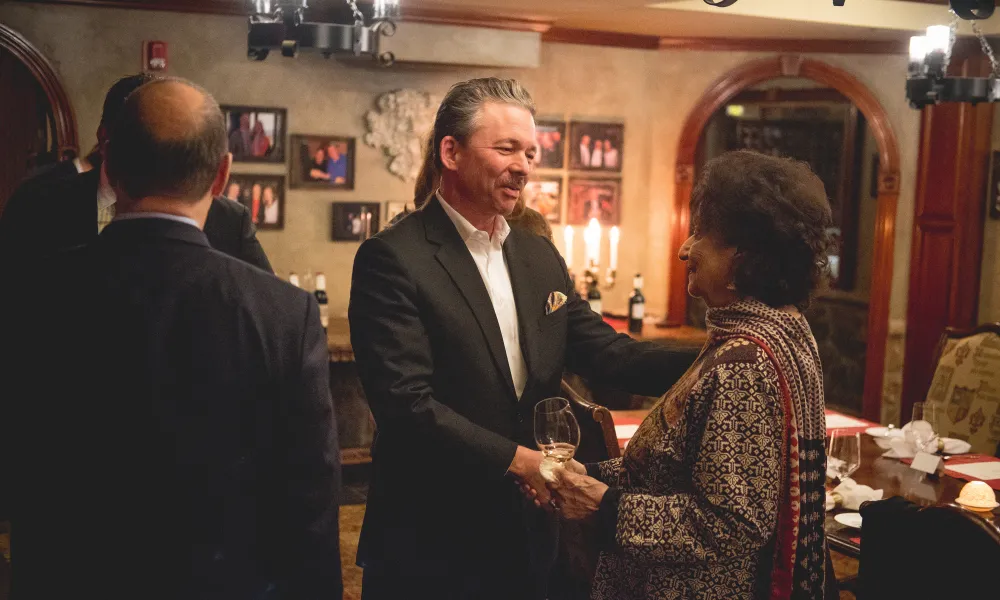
(731, 286)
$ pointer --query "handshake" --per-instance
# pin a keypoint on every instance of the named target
(557, 487)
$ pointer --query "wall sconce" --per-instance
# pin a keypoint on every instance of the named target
(927, 81)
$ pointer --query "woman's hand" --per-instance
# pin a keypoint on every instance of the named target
(577, 496)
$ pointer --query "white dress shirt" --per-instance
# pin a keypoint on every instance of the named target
(489, 258)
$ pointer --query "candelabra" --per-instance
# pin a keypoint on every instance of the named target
(592, 239)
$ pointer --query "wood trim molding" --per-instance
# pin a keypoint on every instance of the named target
(440, 17)
(561, 35)
(715, 97)
(785, 45)
(63, 121)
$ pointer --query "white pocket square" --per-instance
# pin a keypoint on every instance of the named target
(555, 302)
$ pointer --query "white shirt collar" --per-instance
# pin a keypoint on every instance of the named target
(105, 193)
(466, 229)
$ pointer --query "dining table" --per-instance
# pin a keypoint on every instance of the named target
(893, 476)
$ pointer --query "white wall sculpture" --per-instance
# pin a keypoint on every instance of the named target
(399, 125)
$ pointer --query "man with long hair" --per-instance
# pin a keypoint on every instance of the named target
(460, 325)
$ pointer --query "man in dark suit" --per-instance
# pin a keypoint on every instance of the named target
(460, 325)
(183, 444)
(60, 208)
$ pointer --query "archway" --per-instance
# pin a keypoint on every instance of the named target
(720, 92)
(31, 84)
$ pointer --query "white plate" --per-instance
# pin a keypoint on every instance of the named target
(850, 519)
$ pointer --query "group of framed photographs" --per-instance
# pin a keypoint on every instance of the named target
(321, 162)
(591, 154)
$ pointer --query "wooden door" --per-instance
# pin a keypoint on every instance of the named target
(25, 128)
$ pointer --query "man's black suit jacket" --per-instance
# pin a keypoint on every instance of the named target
(49, 212)
(172, 432)
(431, 358)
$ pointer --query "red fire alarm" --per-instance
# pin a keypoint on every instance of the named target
(154, 56)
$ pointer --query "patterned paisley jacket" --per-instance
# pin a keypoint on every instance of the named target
(720, 492)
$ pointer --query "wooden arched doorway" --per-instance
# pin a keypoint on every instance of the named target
(724, 89)
(38, 117)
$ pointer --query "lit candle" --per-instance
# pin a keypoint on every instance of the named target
(613, 237)
(918, 52)
(568, 252)
(938, 38)
(592, 237)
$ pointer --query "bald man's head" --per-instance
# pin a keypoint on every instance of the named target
(169, 141)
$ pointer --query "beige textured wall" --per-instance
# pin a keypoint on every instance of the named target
(651, 91)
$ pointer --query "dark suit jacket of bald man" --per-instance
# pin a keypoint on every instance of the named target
(50, 213)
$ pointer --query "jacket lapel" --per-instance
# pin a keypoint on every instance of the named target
(454, 256)
(525, 296)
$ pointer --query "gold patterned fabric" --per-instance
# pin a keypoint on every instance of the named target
(966, 391)
(715, 482)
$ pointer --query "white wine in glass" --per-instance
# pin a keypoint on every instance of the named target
(557, 433)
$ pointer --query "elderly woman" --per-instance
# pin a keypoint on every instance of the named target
(720, 492)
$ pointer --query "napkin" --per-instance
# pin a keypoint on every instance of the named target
(851, 494)
(904, 448)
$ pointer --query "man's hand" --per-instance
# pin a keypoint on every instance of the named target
(525, 467)
(577, 496)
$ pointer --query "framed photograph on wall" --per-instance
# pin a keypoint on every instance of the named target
(264, 195)
(354, 221)
(551, 139)
(544, 194)
(256, 134)
(596, 146)
(395, 211)
(594, 199)
(322, 162)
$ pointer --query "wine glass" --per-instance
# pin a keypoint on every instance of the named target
(920, 433)
(556, 432)
(844, 455)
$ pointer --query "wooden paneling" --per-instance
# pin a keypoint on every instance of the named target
(946, 254)
(714, 98)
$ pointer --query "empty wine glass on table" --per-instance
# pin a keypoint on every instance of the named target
(844, 454)
(557, 433)
(920, 432)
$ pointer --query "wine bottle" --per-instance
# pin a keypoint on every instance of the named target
(593, 294)
(324, 309)
(636, 306)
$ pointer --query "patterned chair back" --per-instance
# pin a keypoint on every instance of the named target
(966, 387)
